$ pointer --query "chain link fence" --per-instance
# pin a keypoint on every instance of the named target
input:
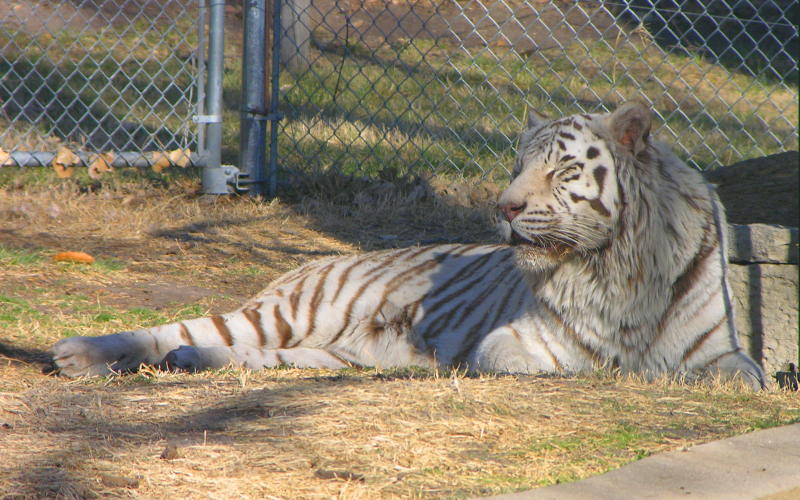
(396, 87)
(392, 87)
(98, 76)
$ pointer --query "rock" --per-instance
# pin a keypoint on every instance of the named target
(761, 190)
(761, 202)
(170, 452)
(341, 475)
(765, 302)
(762, 243)
(113, 481)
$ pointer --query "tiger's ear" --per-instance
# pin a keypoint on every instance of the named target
(630, 126)
(534, 119)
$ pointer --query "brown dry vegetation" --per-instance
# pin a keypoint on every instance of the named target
(165, 252)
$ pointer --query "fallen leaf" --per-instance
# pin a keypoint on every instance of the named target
(5, 158)
(82, 257)
(159, 161)
(180, 157)
(64, 162)
(100, 164)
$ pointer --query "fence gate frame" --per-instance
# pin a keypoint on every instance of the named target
(261, 57)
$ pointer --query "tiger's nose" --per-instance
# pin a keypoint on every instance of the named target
(511, 211)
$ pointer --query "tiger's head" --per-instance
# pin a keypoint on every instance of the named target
(565, 197)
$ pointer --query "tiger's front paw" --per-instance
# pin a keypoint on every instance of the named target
(97, 356)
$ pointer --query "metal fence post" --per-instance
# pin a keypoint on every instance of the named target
(253, 131)
(200, 57)
(275, 115)
(214, 176)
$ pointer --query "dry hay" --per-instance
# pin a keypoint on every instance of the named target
(289, 433)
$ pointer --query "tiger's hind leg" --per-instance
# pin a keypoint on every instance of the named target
(193, 358)
(506, 351)
(737, 365)
(717, 352)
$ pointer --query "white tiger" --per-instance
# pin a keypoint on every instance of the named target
(617, 257)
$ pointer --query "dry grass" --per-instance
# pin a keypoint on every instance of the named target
(165, 253)
(261, 434)
(27, 137)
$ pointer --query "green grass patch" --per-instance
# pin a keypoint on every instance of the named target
(109, 265)
(419, 105)
(90, 314)
(38, 258)
(14, 310)
(79, 314)
(618, 439)
(776, 418)
(238, 269)
(19, 257)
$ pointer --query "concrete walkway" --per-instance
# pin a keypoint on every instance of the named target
(760, 465)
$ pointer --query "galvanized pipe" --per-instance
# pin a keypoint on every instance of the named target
(200, 59)
(214, 178)
(121, 160)
(275, 115)
(253, 131)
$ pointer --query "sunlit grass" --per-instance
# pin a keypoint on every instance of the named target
(455, 110)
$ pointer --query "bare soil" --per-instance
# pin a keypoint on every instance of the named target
(526, 26)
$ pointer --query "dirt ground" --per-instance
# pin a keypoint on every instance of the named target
(526, 26)
(164, 252)
(177, 246)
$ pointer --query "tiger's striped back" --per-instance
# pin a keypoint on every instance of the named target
(419, 305)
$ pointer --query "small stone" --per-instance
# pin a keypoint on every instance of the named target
(170, 452)
(113, 481)
(341, 475)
